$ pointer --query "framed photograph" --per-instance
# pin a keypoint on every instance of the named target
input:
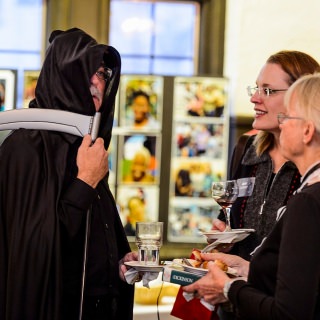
(8, 80)
(116, 110)
(200, 97)
(199, 139)
(137, 203)
(112, 161)
(139, 162)
(141, 102)
(192, 177)
(187, 218)
(30, 79)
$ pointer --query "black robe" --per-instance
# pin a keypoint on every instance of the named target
(38, 169)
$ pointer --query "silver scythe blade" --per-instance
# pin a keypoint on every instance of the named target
(50, 119)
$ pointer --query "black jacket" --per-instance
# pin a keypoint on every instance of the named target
(43, 206)
(258, 211)
(284, 276)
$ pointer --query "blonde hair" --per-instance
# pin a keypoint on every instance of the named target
(295, 64)
(306, 90)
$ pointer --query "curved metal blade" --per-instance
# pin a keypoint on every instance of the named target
(50, 119)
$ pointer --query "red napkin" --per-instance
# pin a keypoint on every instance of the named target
(192, 309)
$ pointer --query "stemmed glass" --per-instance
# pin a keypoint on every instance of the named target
(225, 194)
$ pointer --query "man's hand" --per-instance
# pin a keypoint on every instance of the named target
(130, 256)
(92, 161)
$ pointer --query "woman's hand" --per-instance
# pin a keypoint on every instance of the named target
(233, 261)
(218, 225)
(210, 287)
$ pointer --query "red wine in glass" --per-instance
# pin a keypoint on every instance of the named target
(225, 194)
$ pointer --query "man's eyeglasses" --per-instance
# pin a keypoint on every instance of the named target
(282, 118)
(265, 91)
(104, 75)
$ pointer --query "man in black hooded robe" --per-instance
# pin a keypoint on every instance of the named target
(49, 182)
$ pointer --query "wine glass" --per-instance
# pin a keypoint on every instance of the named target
(225, 194)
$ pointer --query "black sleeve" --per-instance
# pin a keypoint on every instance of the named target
(297, 279)
(238, 152)
(74, 204)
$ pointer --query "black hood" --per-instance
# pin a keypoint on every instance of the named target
(64, 82)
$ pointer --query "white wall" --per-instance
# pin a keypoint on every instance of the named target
(255, 29)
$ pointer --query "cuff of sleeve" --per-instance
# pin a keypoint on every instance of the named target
(80, 194)
(235, 287)
(227, 286)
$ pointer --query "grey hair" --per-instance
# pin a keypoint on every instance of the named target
(306, 90)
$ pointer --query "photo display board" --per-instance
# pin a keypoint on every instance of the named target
(195, 117)
(200, 138)
(30, 79)
(137, 132)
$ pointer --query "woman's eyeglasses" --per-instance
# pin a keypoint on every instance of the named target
(282, 118)
(264, 91)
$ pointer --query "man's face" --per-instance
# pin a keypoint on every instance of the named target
(138, 167)
(141, 108)
(97, 88)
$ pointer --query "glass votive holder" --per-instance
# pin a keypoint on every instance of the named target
(149, 240)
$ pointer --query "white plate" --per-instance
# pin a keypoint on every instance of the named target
(246, 230)
(194, 270)
(144, 268)
(215, 234)
(200, 271)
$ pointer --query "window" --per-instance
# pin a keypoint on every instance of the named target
(20, 45)
(155, 37)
